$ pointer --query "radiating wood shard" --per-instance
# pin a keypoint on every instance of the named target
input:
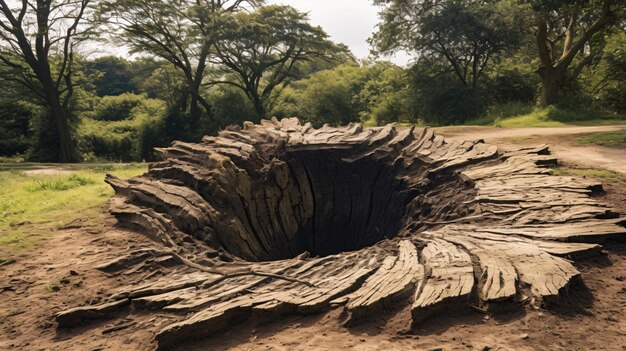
(397, 276)
(282, 218)
(450, 278)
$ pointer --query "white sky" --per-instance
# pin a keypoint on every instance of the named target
(347, 21)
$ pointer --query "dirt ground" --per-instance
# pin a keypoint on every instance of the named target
(562, 143)
(59, 274)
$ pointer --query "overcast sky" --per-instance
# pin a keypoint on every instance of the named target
(347, 21)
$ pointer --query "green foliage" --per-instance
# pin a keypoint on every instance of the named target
(605, 82)
(439, 98)
(230, 106)
(509, 83)
(260, 52)
(110, 76)
(466, 35)
(71, 182)
(615, 139)
(117, 108)
(384, 97)
(330, 96)
(129, 139)
(373, 93)
(15, 130)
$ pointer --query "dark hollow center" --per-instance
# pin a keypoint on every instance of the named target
(355, 202)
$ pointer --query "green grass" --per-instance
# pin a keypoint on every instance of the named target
(519, 116)
(615, 139)
(73, 181)
(598, 174)
(31, 207)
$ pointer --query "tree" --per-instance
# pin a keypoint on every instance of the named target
(181, 32)
(605, 81)
(467, 35)
(566, 26)
(260, 52)
(110, 75)
(37, 49)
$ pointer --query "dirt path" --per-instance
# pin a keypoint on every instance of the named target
(562, 143)
(491, 133)
(59, 274)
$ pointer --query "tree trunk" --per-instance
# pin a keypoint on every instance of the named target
(258, 106)
(194, 110)
(552, 80)
(67, 147)
(60, 116)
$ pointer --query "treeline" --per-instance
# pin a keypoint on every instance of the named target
(198, 66)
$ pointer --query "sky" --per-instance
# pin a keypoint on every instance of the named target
(349, 22)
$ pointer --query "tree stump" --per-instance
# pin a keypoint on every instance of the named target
(282, 218)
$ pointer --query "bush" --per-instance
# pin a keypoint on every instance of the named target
(117, 108)
(512, 85)
(14, 128)
(131, 139)
(230, 106)
(439, 98)
(373, 94)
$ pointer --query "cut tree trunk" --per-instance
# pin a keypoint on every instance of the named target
(281, 218)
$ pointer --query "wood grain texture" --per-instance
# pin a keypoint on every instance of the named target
(282, 218)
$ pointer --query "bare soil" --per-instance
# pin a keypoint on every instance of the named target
(562, 143)
(59, 274)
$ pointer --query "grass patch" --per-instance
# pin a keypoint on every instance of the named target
(598, 174)
(14, 159)
(519, 116)
(73, 181)
(31, 207)
(615, 139)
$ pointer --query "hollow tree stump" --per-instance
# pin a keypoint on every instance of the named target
(284, 218)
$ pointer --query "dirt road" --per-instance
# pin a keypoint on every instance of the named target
(562, 143)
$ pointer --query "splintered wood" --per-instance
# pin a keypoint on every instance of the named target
(282, 218)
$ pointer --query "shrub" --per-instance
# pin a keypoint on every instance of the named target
(230, 106)
(14, 128)
(118, 108)
(131, 139)
(439, 98)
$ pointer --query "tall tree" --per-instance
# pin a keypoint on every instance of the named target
(182, 32)
(563, 30)
(37, 47)
(468, 35)
(259, 52)
(110, 75)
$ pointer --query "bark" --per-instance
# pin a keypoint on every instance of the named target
(552, 81)
(58, 114)
(258, 107)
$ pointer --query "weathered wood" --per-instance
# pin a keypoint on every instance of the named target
(80, 315)
(396, 277)
(450, 278)
(279, 217)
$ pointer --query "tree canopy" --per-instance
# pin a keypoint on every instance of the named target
(262, 50)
